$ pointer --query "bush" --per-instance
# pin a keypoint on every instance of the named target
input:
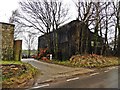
(43, 54)
(93, 60)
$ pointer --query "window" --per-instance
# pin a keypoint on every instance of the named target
(92, 43)
(98, 44)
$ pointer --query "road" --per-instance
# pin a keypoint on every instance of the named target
(51, 72)
(104, 78)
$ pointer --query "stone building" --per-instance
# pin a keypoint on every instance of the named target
(69, 40)
(7, 40)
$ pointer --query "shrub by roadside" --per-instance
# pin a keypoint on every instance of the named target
(17, 74)
(88, 61)
(93, 60)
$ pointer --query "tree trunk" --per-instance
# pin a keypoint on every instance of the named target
(81, 41)
(48, 41)
(106, 32)
(29, 50)
(29, 53)
(96, 28)
(115, 40)
(56, 41)
(87, 41)
(118, 52)
(118, 46)
(102, 42)
(118, 26)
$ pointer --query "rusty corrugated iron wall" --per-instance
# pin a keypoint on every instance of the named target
(17, 50)
(70, 37)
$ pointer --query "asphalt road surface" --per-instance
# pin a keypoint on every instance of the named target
(53, 71)
(105, 78)
(102, 79)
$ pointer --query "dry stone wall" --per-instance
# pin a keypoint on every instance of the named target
(0, 43)
(7, 40)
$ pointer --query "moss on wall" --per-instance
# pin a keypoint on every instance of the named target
(7, 35)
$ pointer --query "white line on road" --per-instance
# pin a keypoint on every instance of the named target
(106, 71)
(45, 85)
(94, 74)
(72, 79)
(112, 68)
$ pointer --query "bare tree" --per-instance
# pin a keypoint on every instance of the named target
(45, 16)
(59, 14)
(42, 15)
(118, 25)
(18, 29)
(105, 25)
(96, 29)
(106, 21)
(29, 39)
(85, 11)
(36, 14)
(97, 16)
(116, 8)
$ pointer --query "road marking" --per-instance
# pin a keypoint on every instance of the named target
(72, 79)
(94, 74)
(45, 85)
(106, 71)
(112, 68)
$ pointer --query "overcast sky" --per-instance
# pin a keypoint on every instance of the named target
(7, 6)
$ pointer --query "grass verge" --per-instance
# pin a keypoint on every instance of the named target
(10, 62)
(18, 80)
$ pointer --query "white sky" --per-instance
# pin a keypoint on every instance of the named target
(6, 8)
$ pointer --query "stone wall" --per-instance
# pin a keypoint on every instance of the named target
(0, 57)
(7, 36)
(0, 43)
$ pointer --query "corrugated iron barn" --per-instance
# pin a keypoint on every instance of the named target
(69, 40)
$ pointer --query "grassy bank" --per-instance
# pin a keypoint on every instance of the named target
(16, 74)
(89, 61)
(10, 62)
